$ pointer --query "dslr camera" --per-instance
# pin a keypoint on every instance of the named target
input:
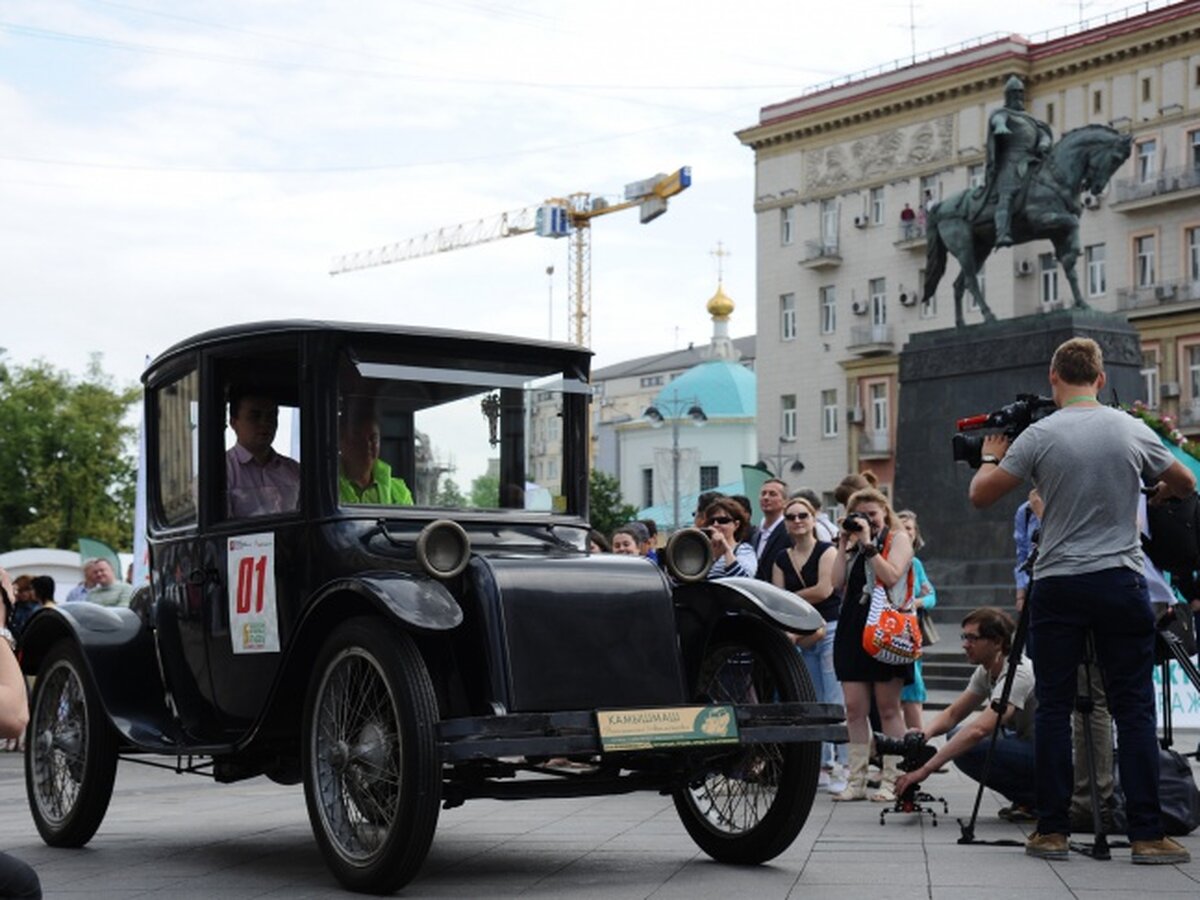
(1011, 420)
(912, 749)
(856, 522)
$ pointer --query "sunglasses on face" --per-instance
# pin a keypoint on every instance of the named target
(721, 520)
(796, 517)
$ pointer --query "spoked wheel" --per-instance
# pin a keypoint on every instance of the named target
(747, 807)
(70, 751)
(372, 775)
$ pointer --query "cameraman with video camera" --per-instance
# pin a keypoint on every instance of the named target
(1089, 462)
(17, 879)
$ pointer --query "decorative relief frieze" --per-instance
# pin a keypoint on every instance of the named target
(878, 155)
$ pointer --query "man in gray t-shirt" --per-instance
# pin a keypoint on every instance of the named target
(1089, 462)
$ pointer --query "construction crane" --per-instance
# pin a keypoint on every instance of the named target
(559, 217)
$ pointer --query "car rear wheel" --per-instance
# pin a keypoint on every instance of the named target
(372, 775)
(70, 751)
(748, 806)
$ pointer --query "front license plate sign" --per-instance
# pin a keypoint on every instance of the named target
(671, 726)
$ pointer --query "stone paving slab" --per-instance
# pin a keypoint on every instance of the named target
(182, 837)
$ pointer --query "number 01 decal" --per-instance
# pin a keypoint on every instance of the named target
(253, 614)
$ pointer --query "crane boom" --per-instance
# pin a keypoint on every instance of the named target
(557, 217)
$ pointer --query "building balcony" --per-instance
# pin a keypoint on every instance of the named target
(821, 255)
(874, 445)
(871, 340)
(1157, 296)
(1168, 186)
(910, 236)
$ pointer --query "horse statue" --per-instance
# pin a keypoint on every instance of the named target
(1047, 207)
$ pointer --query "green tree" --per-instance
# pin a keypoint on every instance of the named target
(607, 508)
(67, 467)
(485, 492)
(449, 494)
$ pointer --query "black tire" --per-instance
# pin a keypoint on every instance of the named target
(372, 773)
(70, 751)
(748, 807)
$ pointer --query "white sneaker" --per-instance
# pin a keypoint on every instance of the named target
(823, 780)
(837, 780)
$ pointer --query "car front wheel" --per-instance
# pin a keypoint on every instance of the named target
(70, 751)
(372, 776)
(747, 807)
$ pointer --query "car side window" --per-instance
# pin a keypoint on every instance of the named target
(178, 449)
(262, 451)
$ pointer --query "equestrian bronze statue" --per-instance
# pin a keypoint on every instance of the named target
(1031, 192)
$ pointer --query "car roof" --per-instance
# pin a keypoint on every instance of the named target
(570, 353)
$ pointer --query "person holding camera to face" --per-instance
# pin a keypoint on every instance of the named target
(726, 524)
(17, 879)
(1089, 462)
(872, 547)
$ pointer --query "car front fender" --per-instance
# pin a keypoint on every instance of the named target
(118, 651)
(775, 605)
(416, 601)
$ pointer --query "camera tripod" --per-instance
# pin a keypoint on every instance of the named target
(914, 753)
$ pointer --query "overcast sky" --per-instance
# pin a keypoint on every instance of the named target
(170, 167)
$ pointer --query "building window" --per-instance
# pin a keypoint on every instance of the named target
(647, 488)
(787, 317)
(1048, 269)
(710, 477)
(877, 288)
(1097, 283)
(787, 223)
(648, 381)
(1193, 254)
(1049, 113)
(1143, 251)
(828, 299)
(1145, 156)
(877, 209)
(1146, 90)
(1196, 79)
(1097, 101)
(928, 306)
(1193, 357)
(931, 190)
(1150, 375)
(787, 424)
(975, 175)
(1194, 149)
(829, 414)
(879, 407)
(829, 225)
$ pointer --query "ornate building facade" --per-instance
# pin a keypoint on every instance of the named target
(844, 175)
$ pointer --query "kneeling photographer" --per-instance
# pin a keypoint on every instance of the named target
(1089, 463)
(987, 639)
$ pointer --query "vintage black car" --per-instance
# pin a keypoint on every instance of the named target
(338, 613)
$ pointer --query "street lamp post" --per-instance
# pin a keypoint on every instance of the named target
(675, 411)
(796, 465)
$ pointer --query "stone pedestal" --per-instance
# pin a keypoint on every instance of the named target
(950, 374)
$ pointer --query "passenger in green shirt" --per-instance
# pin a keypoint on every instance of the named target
(364, 477)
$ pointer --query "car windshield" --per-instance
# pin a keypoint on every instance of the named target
(412, 434)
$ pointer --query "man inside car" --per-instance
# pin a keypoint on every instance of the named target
(258, 481)
(364, 477)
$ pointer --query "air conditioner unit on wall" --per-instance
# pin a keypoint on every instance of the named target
(909, 298)
(860, 221)
(1025, 267)
(1169, 390)
(859, 308)
(1164, 292)
(854, 415)
(1091, 201)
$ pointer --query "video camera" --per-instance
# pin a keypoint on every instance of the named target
(912, 749)
(1012, 419)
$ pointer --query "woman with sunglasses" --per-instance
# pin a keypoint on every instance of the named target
(806, 569)
(872, 540)
(726, 524)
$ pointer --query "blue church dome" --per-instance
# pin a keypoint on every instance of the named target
(723, 388)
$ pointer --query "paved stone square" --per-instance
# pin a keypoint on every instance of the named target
(185, 837)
